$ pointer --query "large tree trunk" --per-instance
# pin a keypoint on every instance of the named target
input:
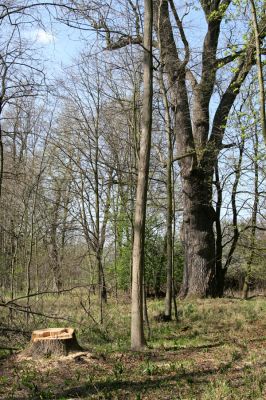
(198, 235)
(198, 143)
(196, 175)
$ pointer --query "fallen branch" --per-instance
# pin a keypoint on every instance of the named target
(43, 293)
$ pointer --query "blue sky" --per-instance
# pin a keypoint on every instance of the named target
(57, 46)
(60, 44)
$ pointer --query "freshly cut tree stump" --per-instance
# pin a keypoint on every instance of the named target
(52, 341)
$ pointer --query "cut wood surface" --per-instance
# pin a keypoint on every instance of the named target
(52, 341)
(52, 333)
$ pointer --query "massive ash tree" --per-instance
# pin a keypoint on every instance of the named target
(199, 138)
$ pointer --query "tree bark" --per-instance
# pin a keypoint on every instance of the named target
(137, 329)
(169, 217)
(219, 270)
(247, 280)
(259, 67)
(198, 236)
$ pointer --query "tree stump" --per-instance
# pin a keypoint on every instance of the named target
(52, 341)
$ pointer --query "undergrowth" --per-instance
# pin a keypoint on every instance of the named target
(216, 350)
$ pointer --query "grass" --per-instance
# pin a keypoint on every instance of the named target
(215, 351)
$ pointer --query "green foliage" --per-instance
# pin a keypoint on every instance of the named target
(149, 368)
(178, 262)
(219, 390)
(218, 14)
(28, 378)
(155, 256)
(118, 369)
(122, 265)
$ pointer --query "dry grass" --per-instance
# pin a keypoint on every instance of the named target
(216, 351)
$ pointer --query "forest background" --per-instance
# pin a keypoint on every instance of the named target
(71, 107)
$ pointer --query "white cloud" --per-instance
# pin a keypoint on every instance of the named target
(43, 37)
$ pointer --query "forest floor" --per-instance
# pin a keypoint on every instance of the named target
(217, 350)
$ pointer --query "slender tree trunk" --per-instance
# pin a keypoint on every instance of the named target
(1, 158)
(102, 236)
(29, 261)
(14, 249)
(169, 218)
(137, 329)
(116, 239)
(260, 67)
(169, 283)
(2, 96)
(100, 289)
(173, 247)
(145, 309)
(219, 270)
(55, 258)
(247, 280)
(101, 281)
(158, 274)
(37, 278)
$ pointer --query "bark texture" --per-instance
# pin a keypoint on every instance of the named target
(259, 66)
(52, 342)
(137, 329)
(198, 236)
